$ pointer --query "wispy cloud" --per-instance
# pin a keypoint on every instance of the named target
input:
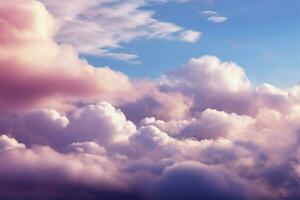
(208, 12)
(190, 36)
(213, 16)
(217, 19)
(98, 27)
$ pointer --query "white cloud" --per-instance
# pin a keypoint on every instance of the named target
(100, 122)
(217, 19)
(97, 27)
(208, 12)
(190, 36)
(7, 143)
(213, 16)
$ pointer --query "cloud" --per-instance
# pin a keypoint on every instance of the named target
(211, 83)
(213, 16)
(36, 71)
(214, 124)
(228, 149)
(57, 77)
(153, 102)
(190, 36)
(86, 147)
(109, 124)
(195, 180)
(7, 143)
(96, 27)
(209, 12)
(28, 173)
(148, 140)
(217, 19)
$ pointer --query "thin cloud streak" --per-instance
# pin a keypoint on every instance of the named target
(213, 16)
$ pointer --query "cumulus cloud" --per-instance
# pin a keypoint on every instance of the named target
(215, 124)
(7, 143)
(211, 83)
(157, 103)
(56, 74)
(100, 122)
(74, 131)
(30, 173)
(233, 150)
(195, 180)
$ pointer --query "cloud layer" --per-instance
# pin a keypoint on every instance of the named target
(68, 131)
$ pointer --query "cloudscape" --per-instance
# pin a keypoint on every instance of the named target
(149, 100)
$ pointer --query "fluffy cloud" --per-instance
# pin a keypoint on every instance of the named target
(215, 124)
(152, 142)
(157, 103)
(229, 149)
(7, 143)
(101, 122)
(56, 74)
(30, 173)
(195, 180)
(211, 83)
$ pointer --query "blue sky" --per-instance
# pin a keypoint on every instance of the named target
(261, 36)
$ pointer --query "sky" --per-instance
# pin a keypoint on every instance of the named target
(149, 100)
(259, 36)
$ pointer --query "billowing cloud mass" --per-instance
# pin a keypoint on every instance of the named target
(70, 130)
